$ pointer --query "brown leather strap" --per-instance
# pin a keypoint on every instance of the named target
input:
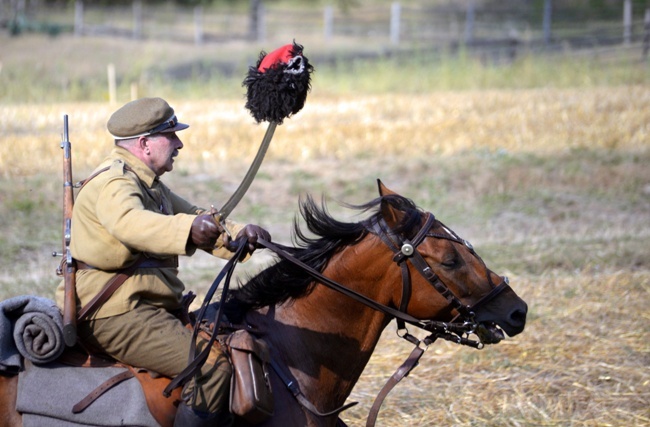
(171, 262)
(103, 388)
(293, 386)
(116, 281)
(406, 367)
(109, 288)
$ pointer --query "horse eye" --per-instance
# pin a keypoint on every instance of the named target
(450, 262)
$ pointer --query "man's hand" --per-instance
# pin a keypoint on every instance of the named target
(205, 232)
(252, 233)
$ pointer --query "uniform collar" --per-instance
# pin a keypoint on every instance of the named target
(143, 171)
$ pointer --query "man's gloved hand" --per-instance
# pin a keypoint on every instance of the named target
(205, 232)
(252, 233)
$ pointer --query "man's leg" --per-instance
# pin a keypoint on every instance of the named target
(152, 338)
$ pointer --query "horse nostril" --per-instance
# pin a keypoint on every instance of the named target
(518, 316)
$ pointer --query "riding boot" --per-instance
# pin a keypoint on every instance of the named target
(188, 417)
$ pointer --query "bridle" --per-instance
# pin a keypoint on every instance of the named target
(404, 249)
(457, 330)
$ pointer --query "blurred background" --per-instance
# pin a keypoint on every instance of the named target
(182, 44)
(524, 125)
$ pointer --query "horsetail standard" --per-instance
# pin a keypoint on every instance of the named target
(277, 88)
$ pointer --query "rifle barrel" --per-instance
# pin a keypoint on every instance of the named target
(69, 271)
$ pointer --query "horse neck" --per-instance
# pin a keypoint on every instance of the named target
(327, 338)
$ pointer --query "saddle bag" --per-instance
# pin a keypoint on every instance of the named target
(251, 396)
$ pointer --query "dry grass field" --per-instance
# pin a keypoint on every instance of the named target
(552, 185)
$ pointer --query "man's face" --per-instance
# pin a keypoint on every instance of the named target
(163, 147)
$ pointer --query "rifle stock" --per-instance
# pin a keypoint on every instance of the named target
(68, 265)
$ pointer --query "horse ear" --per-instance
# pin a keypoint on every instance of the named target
(391, 215)
(383, 190)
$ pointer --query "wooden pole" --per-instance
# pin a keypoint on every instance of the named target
(137, 19)
(470, 17)
(261, 24)
(646, 35)
(627, 22)
(78, 18)
(395, 12)
(328, 24)
(198, 25)
(112, 87)
(546, 22)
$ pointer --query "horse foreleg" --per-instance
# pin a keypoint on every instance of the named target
(9, 417)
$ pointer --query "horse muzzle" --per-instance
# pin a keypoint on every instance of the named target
(500, 311)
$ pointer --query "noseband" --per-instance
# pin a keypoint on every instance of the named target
(404, 249)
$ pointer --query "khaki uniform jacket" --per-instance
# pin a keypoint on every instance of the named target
(120, 215)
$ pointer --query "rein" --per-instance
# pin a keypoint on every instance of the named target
(458, 330)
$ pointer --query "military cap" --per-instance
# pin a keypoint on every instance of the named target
(145, 116)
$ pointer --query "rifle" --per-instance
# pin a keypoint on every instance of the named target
(68, 267)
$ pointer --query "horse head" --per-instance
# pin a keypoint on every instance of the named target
(448, 279)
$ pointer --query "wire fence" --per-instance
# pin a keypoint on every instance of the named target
(504, 30)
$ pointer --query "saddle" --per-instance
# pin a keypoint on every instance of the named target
(163, 409)
(251, 395)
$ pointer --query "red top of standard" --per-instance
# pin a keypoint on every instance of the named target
(281, 55)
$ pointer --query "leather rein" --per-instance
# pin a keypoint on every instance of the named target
(457, 330)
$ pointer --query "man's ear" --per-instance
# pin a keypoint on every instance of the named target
(143, 144)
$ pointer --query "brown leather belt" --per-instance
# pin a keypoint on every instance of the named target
(120, 277)
(143, 262)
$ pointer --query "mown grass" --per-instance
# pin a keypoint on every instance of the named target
(549, 181)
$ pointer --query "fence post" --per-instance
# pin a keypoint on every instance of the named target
(78, 18)
(255, 25)
(546, 22)
(395, 12)
(137, 19)
(112, 86)
(646, 35)
(470, 17)
(198, 25)
(627, 22)
(261, 24)
(328, 18)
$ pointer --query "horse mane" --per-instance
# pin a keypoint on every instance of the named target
(284, 281)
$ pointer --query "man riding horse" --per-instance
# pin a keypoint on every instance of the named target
(126, 221)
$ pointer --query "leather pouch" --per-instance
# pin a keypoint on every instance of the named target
(251, 396)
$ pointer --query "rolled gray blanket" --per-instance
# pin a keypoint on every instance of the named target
(31, 327)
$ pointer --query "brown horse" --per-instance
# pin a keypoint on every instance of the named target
(400, 262)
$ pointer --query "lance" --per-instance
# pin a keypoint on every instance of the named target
(277, 88)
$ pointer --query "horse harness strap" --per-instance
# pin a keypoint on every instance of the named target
(404, 250)
(407, 250)
(103, 388)
(294, 388)
(196, 360)
(409, 364)
(439, 330)
(340, 288)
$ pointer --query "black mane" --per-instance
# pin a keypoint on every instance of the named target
(284, 281)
